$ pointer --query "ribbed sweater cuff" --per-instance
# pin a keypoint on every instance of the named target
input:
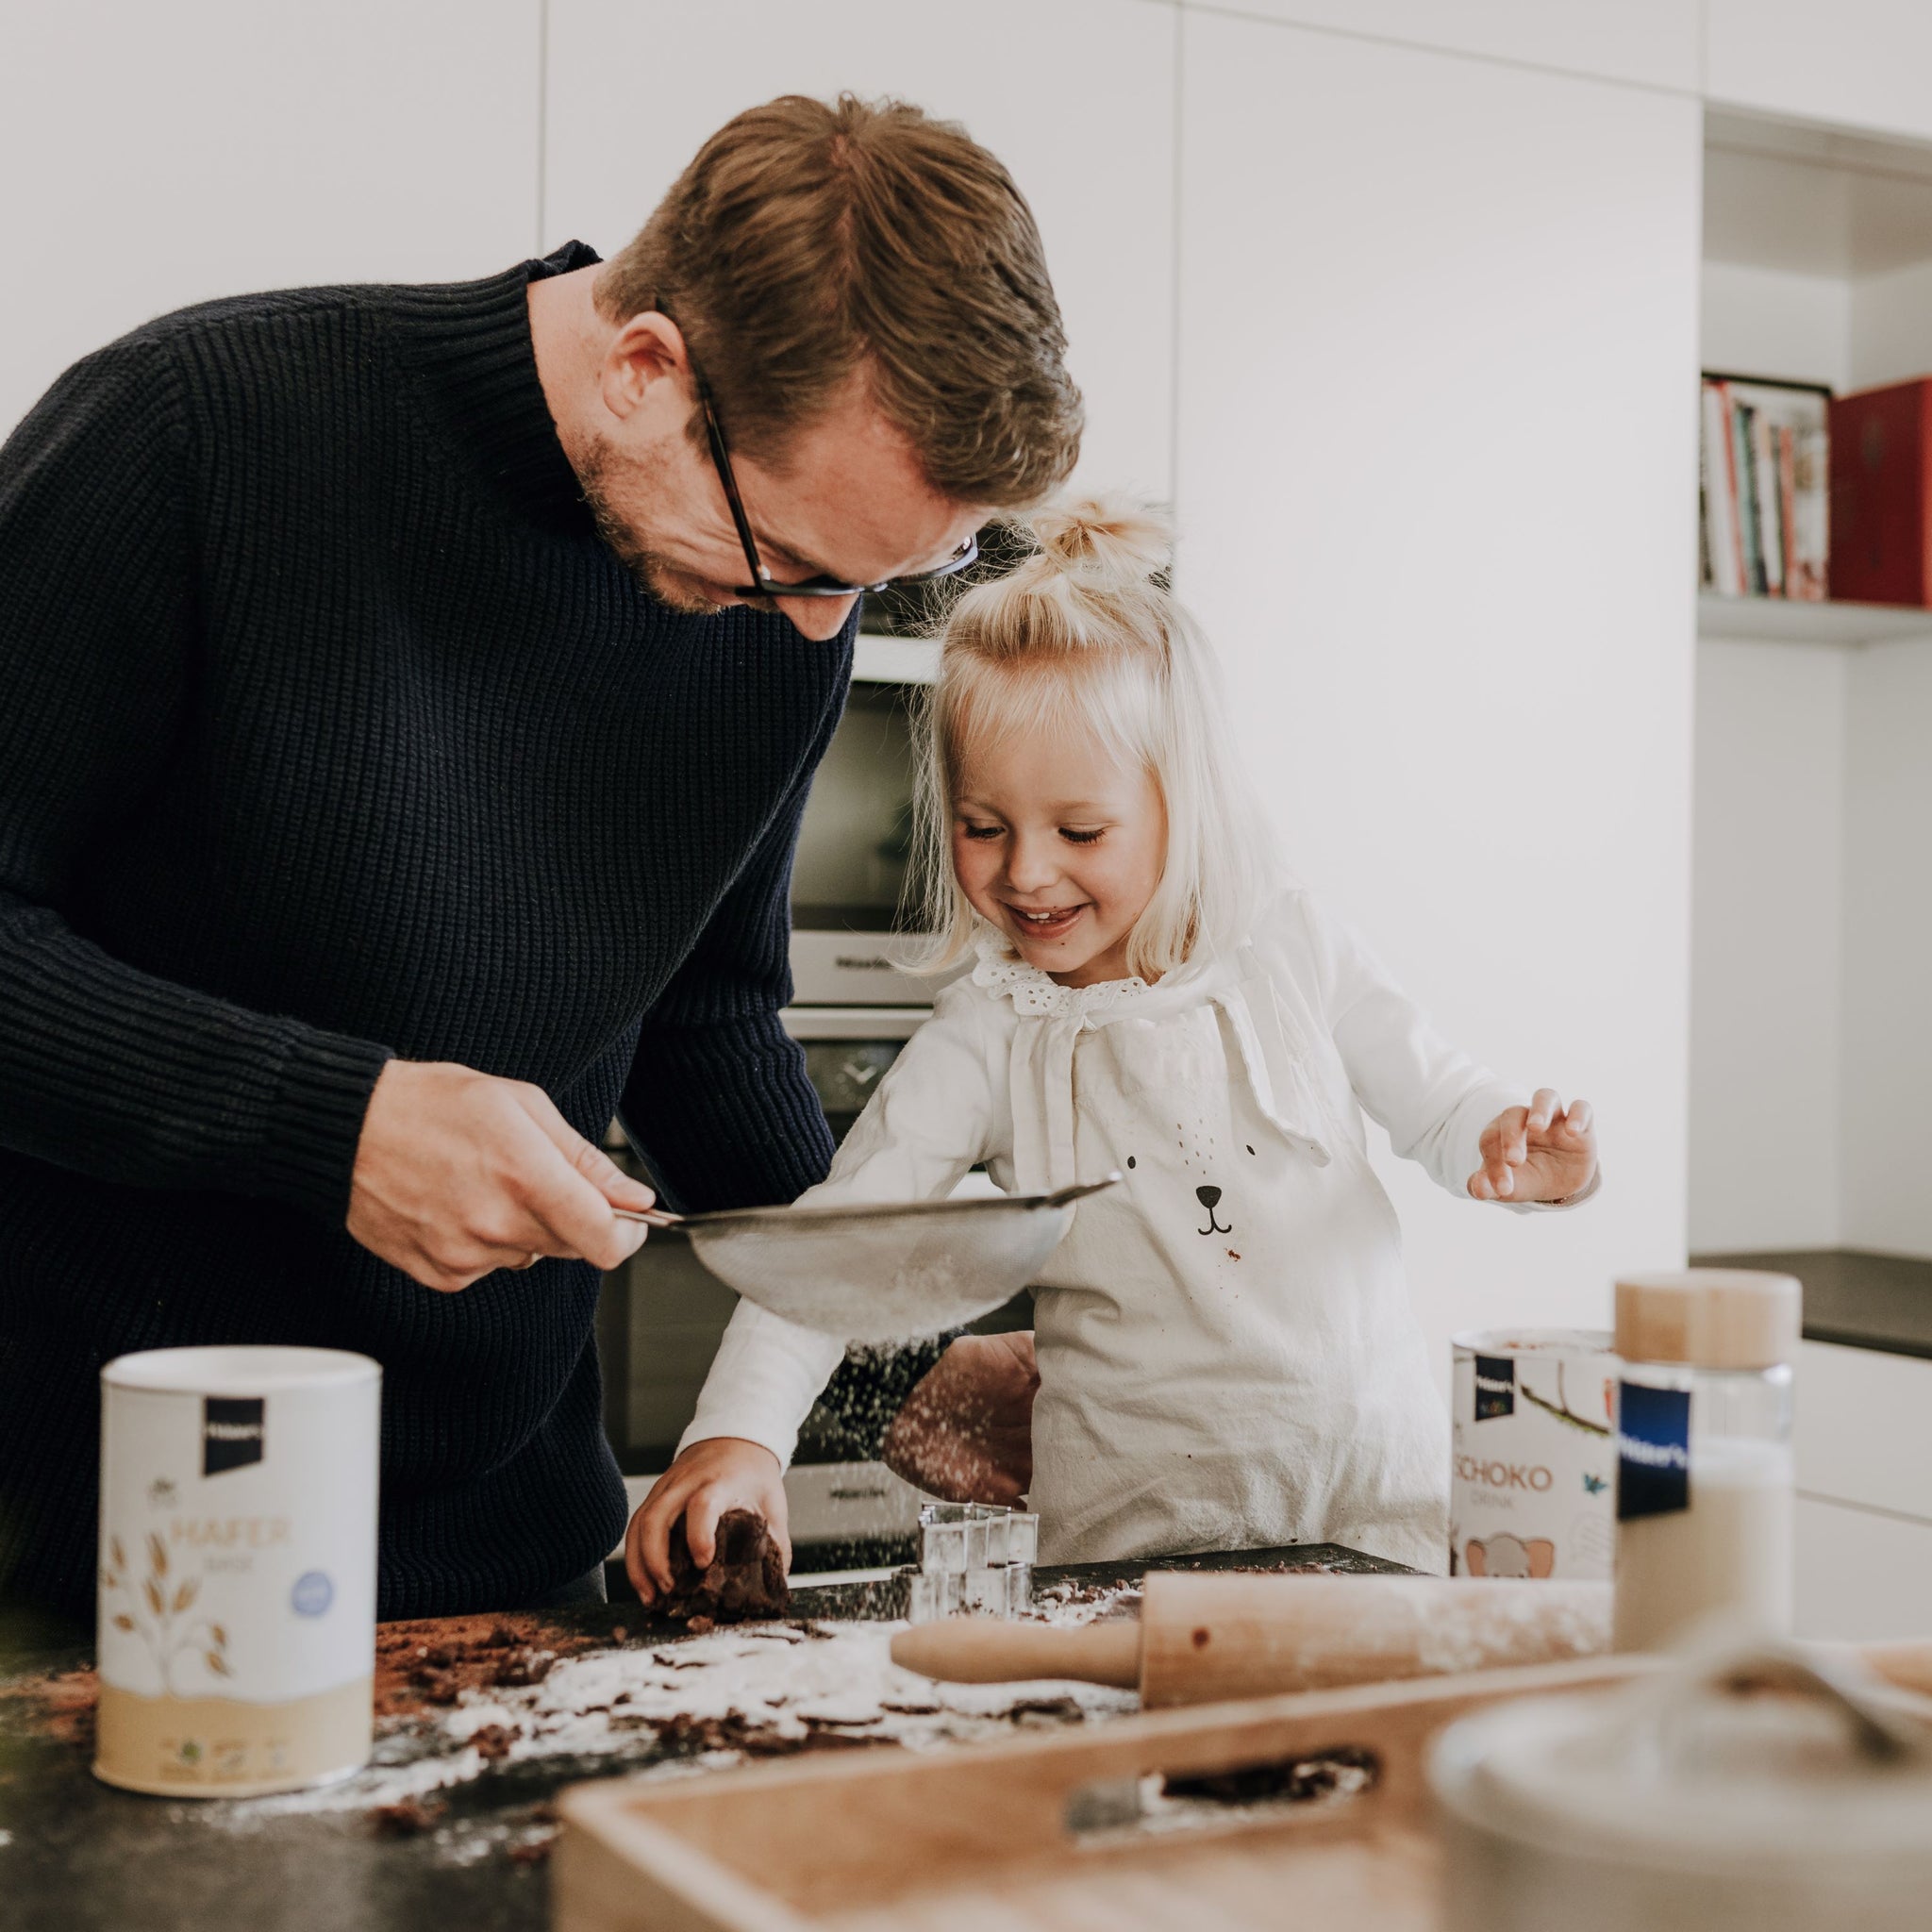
(309, 1152)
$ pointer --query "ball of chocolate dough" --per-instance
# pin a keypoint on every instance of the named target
(744, 1580)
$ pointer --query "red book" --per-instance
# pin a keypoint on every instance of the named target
(1881, 496)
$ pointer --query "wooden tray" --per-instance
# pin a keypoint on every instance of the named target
(992, 1837)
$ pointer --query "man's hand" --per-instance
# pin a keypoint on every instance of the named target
(722, 1473)
(459, 1173)
(1541, 1152)
(966, 1431)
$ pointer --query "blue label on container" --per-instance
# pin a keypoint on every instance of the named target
(1495, 1387)
(1653, 1451)
(312, 1594)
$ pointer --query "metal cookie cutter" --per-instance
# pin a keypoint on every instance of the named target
(973, 1557)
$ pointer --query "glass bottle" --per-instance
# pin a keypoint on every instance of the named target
(1703, 1452)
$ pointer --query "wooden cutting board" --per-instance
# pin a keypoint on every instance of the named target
(1032, 1835)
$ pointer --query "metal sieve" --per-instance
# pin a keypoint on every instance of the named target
(881, 1272)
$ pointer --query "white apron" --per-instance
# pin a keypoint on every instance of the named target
(1227, 1354)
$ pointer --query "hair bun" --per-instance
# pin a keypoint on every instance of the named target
(1103, 542)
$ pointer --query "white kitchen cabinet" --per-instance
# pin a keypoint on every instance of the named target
(1864, 1428)
(1862, 1576)
(1864, 1511)
(1075, 97)
(1437, 483)
(157, 156)
(1651, 42)
(1859, 63)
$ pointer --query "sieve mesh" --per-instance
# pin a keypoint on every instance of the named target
(884, 1274)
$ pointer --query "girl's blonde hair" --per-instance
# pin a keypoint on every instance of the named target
(1084, 637)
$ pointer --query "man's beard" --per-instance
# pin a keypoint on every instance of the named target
(600, 475)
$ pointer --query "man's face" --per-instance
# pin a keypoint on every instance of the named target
(846, 499)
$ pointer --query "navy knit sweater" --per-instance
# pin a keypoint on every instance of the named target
(330, 730)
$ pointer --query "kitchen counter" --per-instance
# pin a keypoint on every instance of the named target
(1856, 1299)
(75, 1855)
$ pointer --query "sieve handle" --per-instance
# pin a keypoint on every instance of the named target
(650, 1217)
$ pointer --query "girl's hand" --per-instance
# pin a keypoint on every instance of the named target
(1541, 1152)
(722, 1473)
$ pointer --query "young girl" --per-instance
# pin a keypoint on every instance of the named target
(1227, 1356)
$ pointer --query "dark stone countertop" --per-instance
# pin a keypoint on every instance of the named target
(78, 1857)
(1856, 1299)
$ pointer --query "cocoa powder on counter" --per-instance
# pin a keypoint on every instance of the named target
(430, 1664)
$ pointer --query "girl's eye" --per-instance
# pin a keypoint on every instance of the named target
(980, 831)
(1074, 838)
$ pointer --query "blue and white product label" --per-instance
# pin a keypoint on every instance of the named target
(312, 1594)
(1495, 1387)
(1653, 1451)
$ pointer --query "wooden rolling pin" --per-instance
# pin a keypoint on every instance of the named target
(1203, 1635)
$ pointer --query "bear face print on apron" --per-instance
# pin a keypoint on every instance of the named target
(1227, 1354)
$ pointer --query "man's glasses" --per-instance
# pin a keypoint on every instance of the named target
(763, 583)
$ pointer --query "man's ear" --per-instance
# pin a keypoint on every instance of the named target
(646, 352)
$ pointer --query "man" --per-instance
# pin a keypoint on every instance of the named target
(408, 699)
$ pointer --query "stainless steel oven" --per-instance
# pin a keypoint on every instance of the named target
(848, 877)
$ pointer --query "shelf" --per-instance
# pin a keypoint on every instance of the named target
(1811, 201)
(1775, 621)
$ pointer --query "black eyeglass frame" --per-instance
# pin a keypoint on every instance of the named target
(764, 584)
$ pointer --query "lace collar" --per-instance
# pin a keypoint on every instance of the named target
(1037, 996)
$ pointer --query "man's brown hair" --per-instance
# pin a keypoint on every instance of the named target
(807, 241)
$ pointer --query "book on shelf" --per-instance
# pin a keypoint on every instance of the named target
(1764, 474)
(1881, 493)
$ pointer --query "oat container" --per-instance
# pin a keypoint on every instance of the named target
(1533, 1468)
(237, 1594)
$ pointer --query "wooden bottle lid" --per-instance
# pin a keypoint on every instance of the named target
(1709, 1318)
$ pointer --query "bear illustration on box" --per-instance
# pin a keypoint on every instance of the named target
(1509, 1555)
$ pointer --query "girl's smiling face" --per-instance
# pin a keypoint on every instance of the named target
(1059, 847)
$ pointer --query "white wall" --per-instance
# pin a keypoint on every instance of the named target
(1077, 97)
(1432, 408)
(157, 156)
(1764, 322)
(1765, 979)
(1890, 332)
(1652, 41)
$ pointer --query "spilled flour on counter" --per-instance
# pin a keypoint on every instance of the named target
(754, 1690)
